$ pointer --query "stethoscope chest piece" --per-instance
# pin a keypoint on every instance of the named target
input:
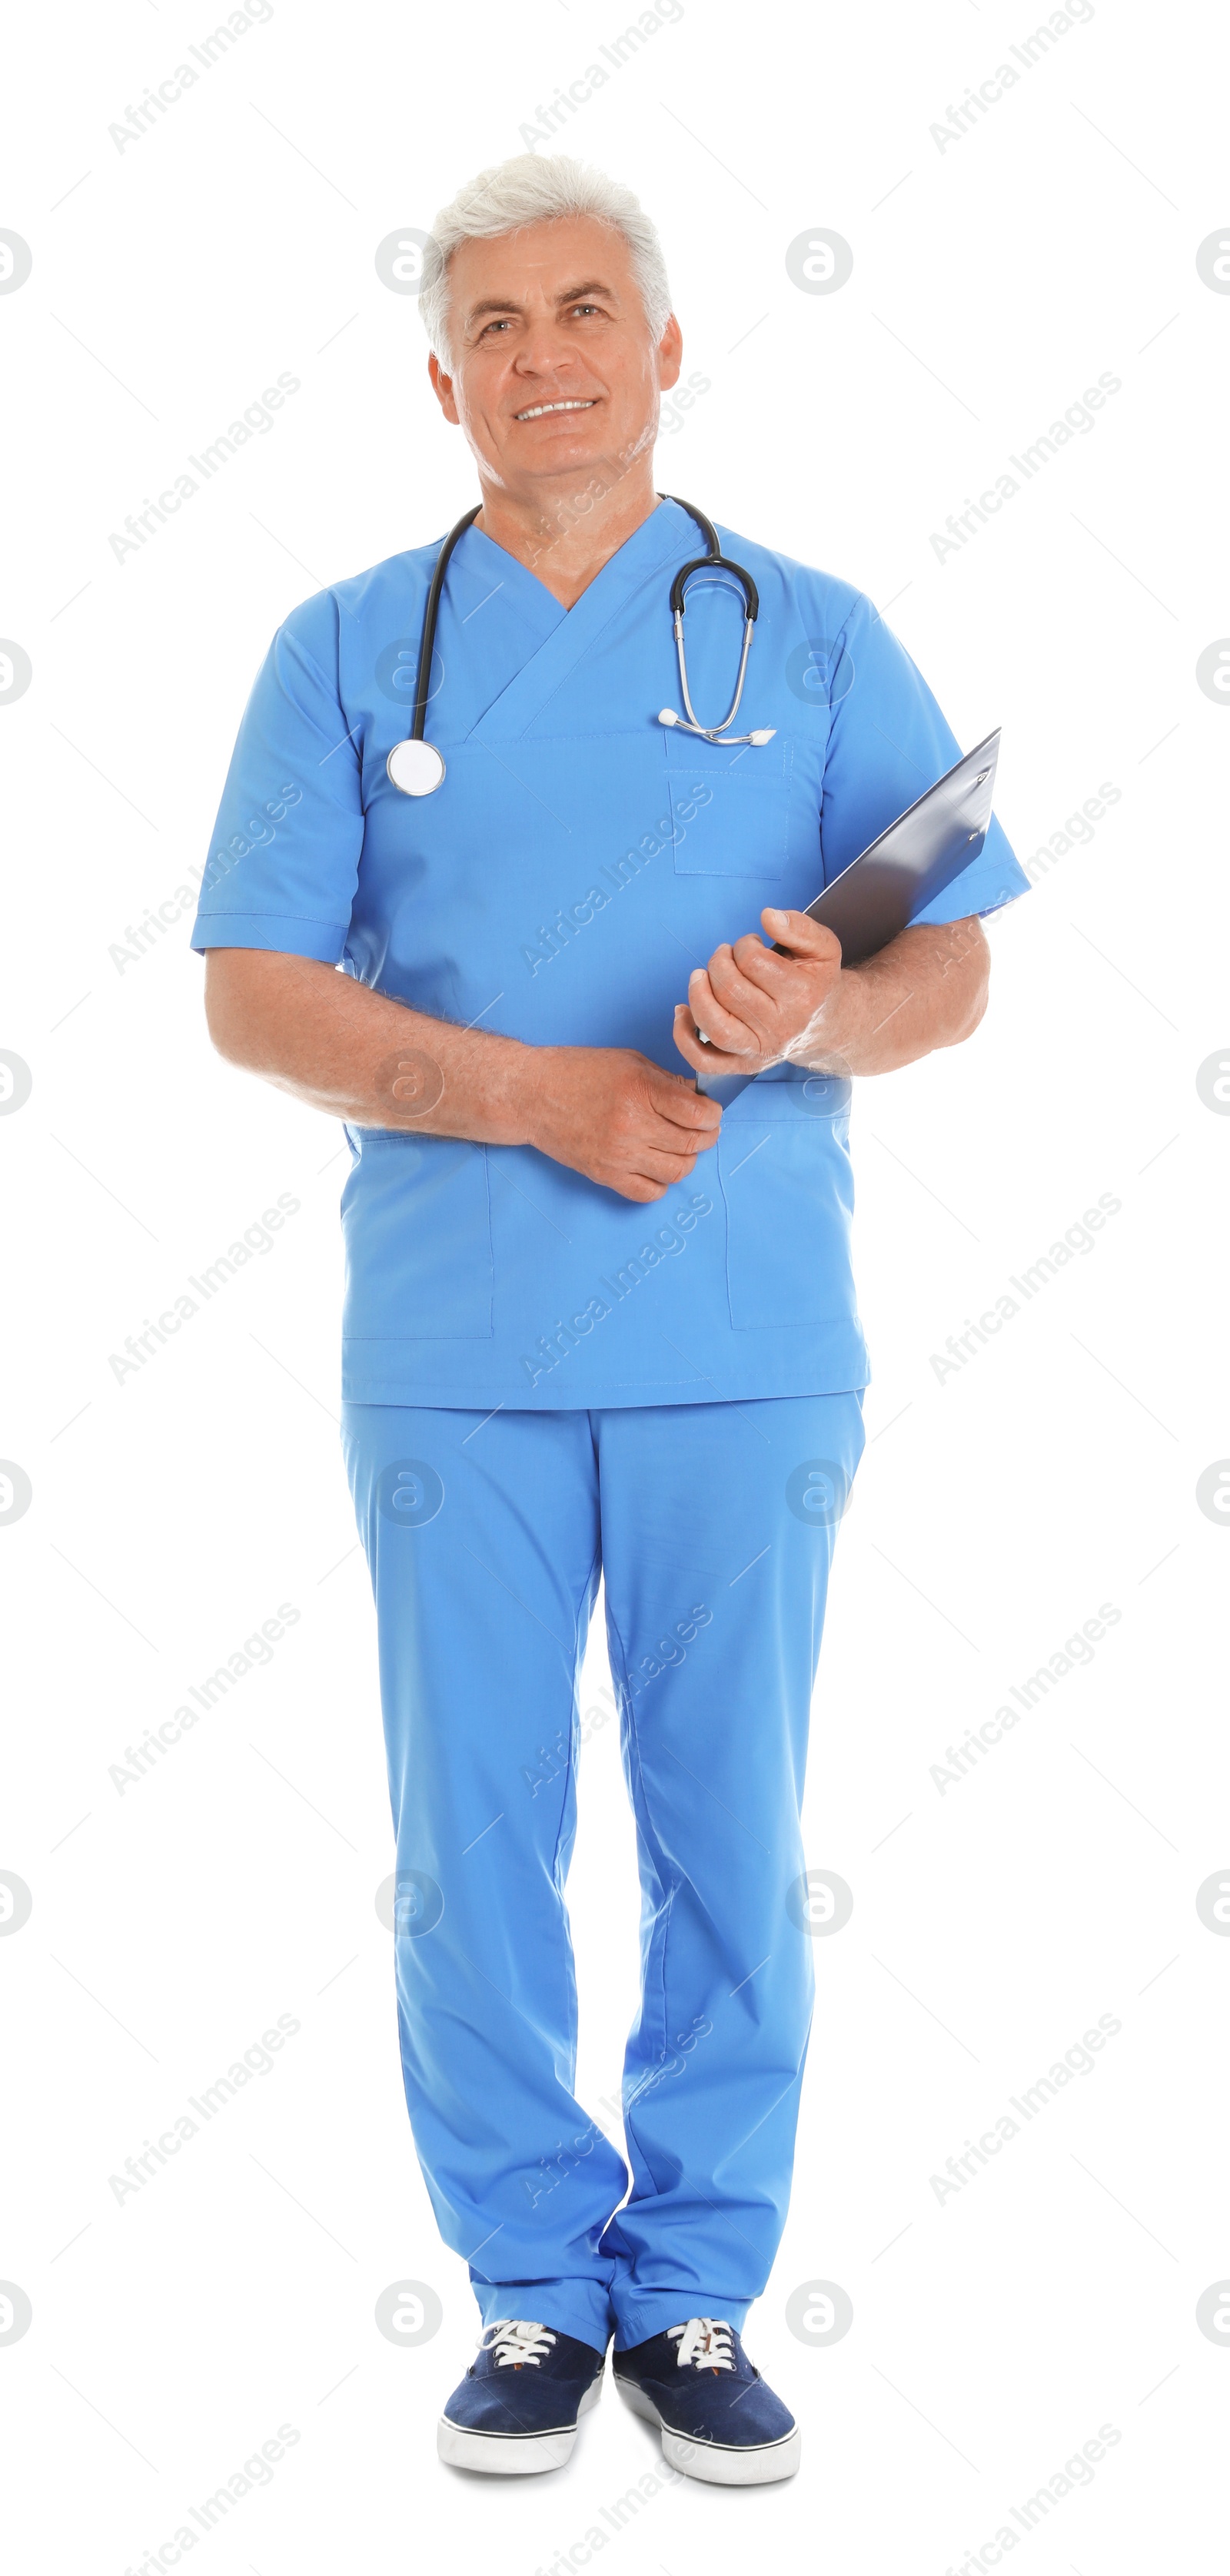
(416, 767)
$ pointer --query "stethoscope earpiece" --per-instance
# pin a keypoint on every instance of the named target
(763, 733)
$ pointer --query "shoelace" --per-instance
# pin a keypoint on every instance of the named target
(704, 2342)
(513, 2340)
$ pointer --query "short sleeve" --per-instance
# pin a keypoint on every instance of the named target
(888, 742)
(283, 861)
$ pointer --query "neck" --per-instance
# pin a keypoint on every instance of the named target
(566, 533)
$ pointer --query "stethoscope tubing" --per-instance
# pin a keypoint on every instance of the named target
(431, 613)
(713, 561)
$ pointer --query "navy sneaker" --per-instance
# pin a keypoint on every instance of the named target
(517, 2408)
(719, 2419)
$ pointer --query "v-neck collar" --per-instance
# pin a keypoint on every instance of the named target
(484, 551)
(566, 633)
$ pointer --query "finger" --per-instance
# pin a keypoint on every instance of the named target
(708, 1059)
(800, 934)
(667, 1145)
(688, 1040)
(652, 1163)
(673, 1098)
(762, 966)
(745, 1006)
(724, 1027)
(738, 991)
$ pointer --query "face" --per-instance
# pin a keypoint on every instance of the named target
(555, 377)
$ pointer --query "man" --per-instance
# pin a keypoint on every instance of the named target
(594, 1324)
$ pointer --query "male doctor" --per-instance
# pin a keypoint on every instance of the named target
(594, 1324)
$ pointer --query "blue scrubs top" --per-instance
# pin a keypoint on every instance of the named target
(578, 860)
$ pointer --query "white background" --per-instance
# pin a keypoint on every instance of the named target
(993, 281)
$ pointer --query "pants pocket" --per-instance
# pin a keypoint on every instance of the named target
(416, 1214)
(786, 1182)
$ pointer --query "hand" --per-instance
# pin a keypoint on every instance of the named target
(615, 1116)
(757, 1008)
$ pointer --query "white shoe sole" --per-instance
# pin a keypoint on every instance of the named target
(510, 2455)
(720, 2464)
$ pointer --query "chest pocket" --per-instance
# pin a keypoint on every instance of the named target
(730, 808)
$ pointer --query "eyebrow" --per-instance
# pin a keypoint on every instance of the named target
(570, 295)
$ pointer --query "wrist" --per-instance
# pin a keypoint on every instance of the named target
(831, 1037)
(513, 1091)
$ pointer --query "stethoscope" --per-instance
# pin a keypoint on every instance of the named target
(417, 768)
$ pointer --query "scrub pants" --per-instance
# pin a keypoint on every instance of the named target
(713, 1526)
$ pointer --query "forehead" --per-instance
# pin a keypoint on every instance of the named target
(541, 261)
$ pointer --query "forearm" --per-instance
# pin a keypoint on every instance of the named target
(927, 989)
(607, 1112)
(355, 1054)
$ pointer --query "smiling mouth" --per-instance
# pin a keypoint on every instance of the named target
(541, 409)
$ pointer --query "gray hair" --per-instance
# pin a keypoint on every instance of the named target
(529, 191)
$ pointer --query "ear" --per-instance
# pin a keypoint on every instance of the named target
(442, 386)
(670, 355)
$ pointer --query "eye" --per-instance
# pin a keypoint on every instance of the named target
(585, 308)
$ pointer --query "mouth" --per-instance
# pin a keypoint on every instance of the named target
(539, 411)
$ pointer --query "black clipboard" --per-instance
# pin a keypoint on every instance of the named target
(899, 873)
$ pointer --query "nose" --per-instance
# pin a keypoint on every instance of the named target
(545, 351)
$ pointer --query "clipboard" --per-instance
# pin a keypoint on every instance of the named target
(898, 874)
